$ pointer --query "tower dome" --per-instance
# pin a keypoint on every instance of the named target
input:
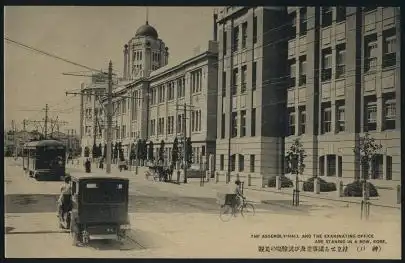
(146, 31)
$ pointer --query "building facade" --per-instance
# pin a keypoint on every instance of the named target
(251, 91)
(344, 81)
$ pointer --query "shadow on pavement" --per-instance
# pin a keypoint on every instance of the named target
(11, 232)
(137, 240)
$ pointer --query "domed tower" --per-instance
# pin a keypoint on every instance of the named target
(144, 53)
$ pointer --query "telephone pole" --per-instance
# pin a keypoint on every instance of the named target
(109, 119)
(46, 121)
(185, 143)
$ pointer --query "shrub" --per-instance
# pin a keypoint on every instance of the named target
(356, 189)
(285, 181)
(324, 185)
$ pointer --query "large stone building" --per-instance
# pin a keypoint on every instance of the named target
(251, 95)
(150, 99)
(345, 81)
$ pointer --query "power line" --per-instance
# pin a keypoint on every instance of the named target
(49, 54)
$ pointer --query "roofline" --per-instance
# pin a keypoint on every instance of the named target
(207, 54)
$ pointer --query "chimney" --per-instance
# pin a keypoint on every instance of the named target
(215, 17)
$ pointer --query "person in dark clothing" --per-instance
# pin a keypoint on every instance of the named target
(87, 166)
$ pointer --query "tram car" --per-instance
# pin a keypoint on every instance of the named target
(44, 159)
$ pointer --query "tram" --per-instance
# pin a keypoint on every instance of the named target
(44, 159)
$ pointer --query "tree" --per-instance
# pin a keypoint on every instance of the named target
(175, 151)
(115, 151)
(162, 151)
(105, 151)
(150, 151)
(189, 151)
(367, 149)
(99, 150)
(132, 155)
(295, 159)
(94, 151)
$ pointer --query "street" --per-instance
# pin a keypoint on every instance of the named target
(170, 220)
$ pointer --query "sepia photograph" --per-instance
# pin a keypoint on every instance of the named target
(202, 132)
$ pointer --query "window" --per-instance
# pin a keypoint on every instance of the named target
(181, 89)
(234, 81)
(255, 30)
(123, 132)
(170, 93)
(252, 163)
(235, 35)
(223, 126)
(340, 14)
(241, 163)
(390, 48)
(340, 106)
(199, 120)
(170, 124)
(161, 125)
(152, 127)
(370, 59)
(303, 21)
(389, 111)
(221, 162)
(224, 42)
(223, 84)
(234, 124)
(180, 120)
(254, 75)
(326, 118)
(244, 34)
(326, 64)
(193, 121)
(302, 119)
(253, 123)
(196, 81)
(303, 70)
(293, 68)
(291, 121)
(244, 79)
(233, 162)
(243, 123)
(161, 94)
(326, 16)
(340, 60)
(371, 115)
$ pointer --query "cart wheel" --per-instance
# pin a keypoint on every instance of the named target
(226, 213)
(75, 238)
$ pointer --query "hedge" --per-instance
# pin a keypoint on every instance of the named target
(285, 182)
(324, 185)
(355, 189)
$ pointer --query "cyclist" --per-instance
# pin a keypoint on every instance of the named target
(239, 196)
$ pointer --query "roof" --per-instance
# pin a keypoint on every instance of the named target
(95, 175)
(44, 143)
(146, 31)
(209, 47)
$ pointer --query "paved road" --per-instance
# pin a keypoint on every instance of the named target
(167, 219)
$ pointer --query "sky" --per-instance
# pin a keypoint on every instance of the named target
(91, 36)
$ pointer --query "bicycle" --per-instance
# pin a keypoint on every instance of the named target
(228, 210)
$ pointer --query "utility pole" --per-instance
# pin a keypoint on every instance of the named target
(109, 119)
(14, 137)
(185, 143)
(81, 110)
(46, 120)
(24, 125)
(95, 121)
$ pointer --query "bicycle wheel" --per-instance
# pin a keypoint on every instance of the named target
(225, 213)
(248, 210)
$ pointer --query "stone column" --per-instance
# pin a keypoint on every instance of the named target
(337, 168)
(380, 105)
(325, 165)
(385, 166)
